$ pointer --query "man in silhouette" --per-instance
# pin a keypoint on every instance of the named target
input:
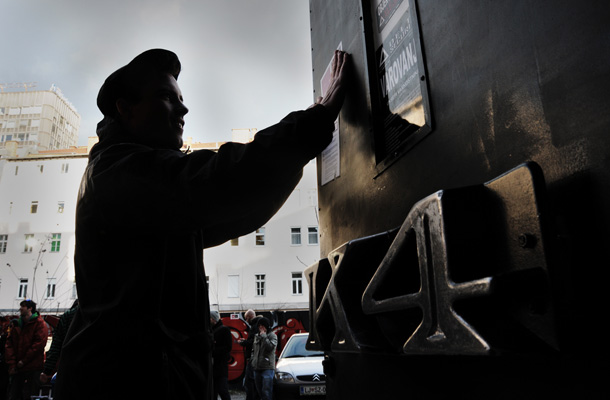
(146, 211)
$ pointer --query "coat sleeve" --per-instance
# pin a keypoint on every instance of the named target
(227, 194)
(52, 356)
(223, 342)
(9, 352)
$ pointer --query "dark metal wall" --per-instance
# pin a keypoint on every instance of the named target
(508, 82)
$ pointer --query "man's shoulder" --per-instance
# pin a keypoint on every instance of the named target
(127, 148)
(40, 320)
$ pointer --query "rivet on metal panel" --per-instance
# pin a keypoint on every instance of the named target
(527, 240)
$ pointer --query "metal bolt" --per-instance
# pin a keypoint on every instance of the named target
(527, 240)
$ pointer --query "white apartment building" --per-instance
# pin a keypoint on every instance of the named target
(37, 207)
(32, 121)
(262, 270)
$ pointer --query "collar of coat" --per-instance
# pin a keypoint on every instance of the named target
(34, 316)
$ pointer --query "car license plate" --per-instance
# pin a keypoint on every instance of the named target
(313, 390)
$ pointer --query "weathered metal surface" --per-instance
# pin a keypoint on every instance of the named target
(508, 83)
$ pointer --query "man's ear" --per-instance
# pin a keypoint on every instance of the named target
(123, 107)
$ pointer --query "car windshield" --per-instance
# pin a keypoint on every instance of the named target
(296, 348)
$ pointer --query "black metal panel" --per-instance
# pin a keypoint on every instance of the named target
(508, 82)
(478, 245)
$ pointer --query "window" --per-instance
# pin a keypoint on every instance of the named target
(55, 242)
(74, 291)
(312, 235)
(64, 168)
(295, 236)
(260, 284)
(233, 286)
(60, 207)
(40, 167)
(235, 242)
(51, 285)
(23, 288)
(16, 170)
(297, 283)
(29, 243)
(260, 236)
(34, 207)
(3, 243)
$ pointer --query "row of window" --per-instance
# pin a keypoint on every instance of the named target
(295, 236)
(29, 242)
(19, 137)
(61, 205)
(49, 293)
(40, 167)
(260, 284)
(26, 110)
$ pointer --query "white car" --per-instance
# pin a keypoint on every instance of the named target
(299, 372)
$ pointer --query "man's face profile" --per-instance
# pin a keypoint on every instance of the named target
(157, 117)
(25, 311)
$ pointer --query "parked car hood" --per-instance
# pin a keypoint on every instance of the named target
(300, 365)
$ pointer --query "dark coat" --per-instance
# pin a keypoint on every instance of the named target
(26, 343)
(143, 218)
(249, 342)
(59, 335)
(223, 342)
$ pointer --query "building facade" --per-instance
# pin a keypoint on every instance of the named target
(262, 270)
(32, 121)
(37, 208)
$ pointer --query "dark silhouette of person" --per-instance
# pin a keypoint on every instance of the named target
(249, 385)
(223, 342)
(146, 211)
(59, 335)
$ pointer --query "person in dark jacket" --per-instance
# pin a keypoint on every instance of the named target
(223, 342)
(263, 359)
(249, 385)
(146, 211)
(25, 352)
(59, 335)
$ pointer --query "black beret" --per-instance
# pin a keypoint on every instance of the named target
(125, 82)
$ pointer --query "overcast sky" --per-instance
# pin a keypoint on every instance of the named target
(245, 63)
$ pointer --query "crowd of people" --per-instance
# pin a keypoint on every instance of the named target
(24, 365)
(259, 348)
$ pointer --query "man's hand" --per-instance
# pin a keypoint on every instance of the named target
(333, 100)
(44, 378)
(262, 329)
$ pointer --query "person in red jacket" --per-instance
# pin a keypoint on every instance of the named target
(25, 352)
